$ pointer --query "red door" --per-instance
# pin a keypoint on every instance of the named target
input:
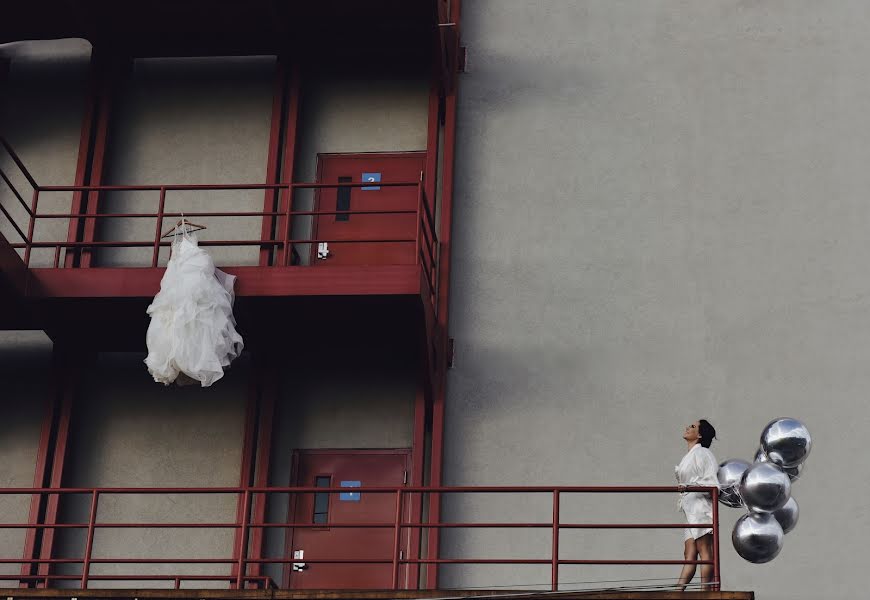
(359, 168)
(351, 470)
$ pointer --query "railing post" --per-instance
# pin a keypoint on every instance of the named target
(285, 250)
(159, 228)
(397, 538)
(717, 582)
(243, 542)
(554, 585)
(31, 225)
(89, 545)
(417, 246)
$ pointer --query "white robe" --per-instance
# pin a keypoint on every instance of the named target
(697, 468)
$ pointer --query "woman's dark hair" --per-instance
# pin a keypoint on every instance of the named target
(707, 432)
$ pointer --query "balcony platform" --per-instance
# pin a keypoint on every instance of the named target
(112, 282)
(131, 594)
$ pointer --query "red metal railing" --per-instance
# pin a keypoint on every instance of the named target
(424, 240)
(241, 559)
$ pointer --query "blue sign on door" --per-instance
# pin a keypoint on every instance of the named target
(349, 496)
(371, 178)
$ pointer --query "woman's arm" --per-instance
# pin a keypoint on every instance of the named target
(703, 469)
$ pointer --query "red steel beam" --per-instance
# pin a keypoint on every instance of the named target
(42, 471)
(294, 102)
(430, 177)
(144, 282)
(86, 135)
(371, 525)
(437, 460)
(425, 392)
(554, 581)
(109, 76)
(717, 568)
(456, 489)
(269, 391)
(156, 187)
(273, 157)
(418, 451)
(246, 470)
(68, 374)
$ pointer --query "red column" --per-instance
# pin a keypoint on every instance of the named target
(282, 150)
(443, 306)
(41, 477)
(268, 374)
(246, 470)
(52, 453)
(256, 454)
(106, 70)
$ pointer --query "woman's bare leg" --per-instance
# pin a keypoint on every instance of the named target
(690, 552)
(705, 551)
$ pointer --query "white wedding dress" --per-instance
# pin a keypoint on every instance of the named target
(192, 332)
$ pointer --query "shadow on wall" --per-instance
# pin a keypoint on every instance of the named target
(505, 81)
(25, 375)
(41, 113)
(129, 431)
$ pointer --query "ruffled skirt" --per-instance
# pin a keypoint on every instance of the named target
(192, 336)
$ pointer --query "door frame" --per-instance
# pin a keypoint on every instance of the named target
(321, 156)
(294, 482)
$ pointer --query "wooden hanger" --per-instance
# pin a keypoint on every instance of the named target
(183, 223)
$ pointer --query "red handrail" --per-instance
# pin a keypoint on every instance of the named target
(425, 221)
(244, 523)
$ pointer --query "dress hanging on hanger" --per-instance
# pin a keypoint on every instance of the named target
(192, 336)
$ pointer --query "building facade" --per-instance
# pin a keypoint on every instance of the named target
(632, 215)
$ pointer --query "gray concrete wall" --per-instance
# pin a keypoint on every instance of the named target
(41, 108)
(131, 432)
(661, 215)
(190, 121)
(358, 110)
(25, 362)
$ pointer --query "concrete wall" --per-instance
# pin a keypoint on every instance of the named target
(25, 360)
(367, 403)
(355, 110)
(131, 432)
(661, 215)
(190, 121)
(41, 108)
(197, 120)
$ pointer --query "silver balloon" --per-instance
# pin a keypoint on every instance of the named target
(787, 516)
(786, 442)
(757, 537)
(729, 474)
(764, 487)
(794, 473)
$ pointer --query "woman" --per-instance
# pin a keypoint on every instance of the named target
(698, 468)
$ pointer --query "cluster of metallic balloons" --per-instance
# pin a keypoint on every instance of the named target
(764, 489)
